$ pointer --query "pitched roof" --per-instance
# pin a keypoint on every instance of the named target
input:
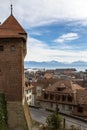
(11, 28)
(66, 84)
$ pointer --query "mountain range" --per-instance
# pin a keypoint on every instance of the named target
(79, 65)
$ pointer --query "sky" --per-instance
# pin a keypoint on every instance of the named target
(57, 29)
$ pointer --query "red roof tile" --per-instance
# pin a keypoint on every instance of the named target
(66, 84)
(11, 28)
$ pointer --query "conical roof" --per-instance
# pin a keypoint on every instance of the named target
(11, 28)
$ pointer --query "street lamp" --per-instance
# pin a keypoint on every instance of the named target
(57, 109)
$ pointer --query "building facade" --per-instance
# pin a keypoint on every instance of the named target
(67, 96)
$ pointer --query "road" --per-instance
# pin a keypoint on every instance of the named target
(40, 115)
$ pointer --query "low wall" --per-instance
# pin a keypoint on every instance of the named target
(16, 116)
(27, 114)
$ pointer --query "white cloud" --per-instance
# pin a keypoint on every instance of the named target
(67, 37)
(36, 50)
(40, 12)
(33, 13)
(40, 51)
(37, 33)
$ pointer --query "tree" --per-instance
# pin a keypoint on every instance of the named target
(54, 121)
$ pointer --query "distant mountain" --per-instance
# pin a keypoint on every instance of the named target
(55, 64)
(79, 63)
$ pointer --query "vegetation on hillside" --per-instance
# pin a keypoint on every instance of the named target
(3, 112)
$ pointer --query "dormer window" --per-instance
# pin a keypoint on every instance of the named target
(59, 89)
(1, 48)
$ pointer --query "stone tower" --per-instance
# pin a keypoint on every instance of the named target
(12, 52)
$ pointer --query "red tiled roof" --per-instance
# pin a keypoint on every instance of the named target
(67, 84)
(11, 28)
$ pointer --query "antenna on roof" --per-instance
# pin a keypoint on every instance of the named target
(11, 9)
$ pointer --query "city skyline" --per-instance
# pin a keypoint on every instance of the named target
(56, 29)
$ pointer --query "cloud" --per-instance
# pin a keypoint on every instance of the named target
(35, 13)
(37, 33)
(41, 12)
(40, 51)
(67, 37)
(36, 50)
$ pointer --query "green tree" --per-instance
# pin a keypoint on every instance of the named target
(54, 121)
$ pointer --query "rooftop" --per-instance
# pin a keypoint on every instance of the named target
(11, 28)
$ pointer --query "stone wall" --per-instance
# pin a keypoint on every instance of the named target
(16, 116)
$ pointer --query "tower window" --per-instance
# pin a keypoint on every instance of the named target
(1, 48)
(0, 72)
(13, 48)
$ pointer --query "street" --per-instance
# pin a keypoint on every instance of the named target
(40, 115)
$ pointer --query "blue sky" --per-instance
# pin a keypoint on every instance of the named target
(57, 29)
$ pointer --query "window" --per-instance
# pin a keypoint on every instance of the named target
(30, 97)
(1, 48)
(51, 96)
(63, 97)
(45, 95)
(38, 91)
(70, 98)
(63, 107)
(57, 97)
(26, 84)
(26, 91)
(51, 105)
(70, 107)
(13, 48)
(0, 72)
(26, 98)
(80, 109)
(29, 103)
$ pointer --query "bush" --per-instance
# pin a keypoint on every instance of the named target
(3, 112)
(54, 121)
